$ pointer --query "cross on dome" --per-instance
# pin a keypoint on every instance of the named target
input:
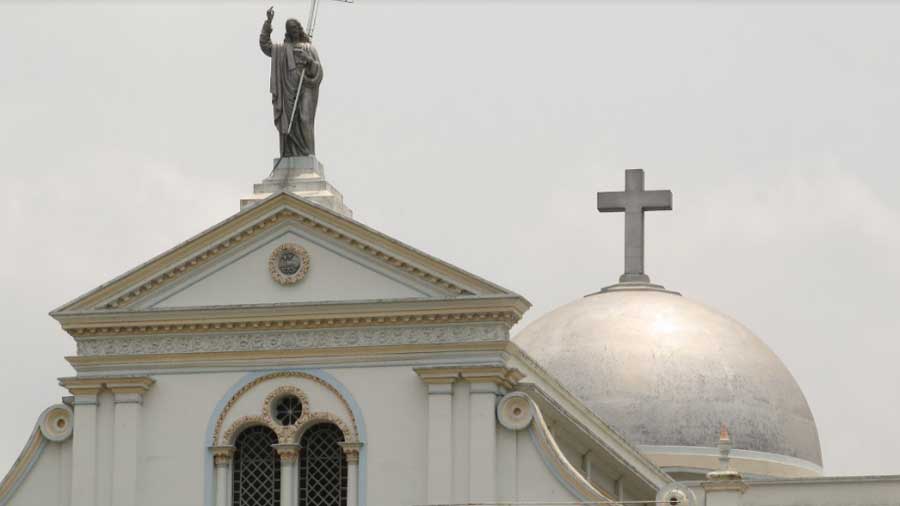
(633, 202)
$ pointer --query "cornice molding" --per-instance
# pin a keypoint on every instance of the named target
(294, 316)
(161, 271)
(80, 386)
(188, 327)
(498, 375)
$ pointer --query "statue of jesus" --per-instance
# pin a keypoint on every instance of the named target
(291, 60)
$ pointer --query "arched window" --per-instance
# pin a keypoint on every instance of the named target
(323, 467)
(256, 469)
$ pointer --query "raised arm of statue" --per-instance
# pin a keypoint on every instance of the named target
(265, 36)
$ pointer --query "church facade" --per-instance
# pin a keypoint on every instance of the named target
(292, 355)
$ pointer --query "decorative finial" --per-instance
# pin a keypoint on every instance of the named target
(724, 448)
(725, 472)
(634, 201)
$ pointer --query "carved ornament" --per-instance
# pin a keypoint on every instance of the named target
(288, 264)
(289, 434)
(298, 340)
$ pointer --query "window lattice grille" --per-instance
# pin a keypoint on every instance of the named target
(288, 410)
(323, 467)
(257, 469)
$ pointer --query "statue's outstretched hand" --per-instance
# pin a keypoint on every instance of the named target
(270, 14)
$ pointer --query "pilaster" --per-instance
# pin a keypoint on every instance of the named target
(222, 458)
(289, 454)
(483, 384)
(482, 441)
(440, 433)
(84, 439)
(128, 396)
(351, 452)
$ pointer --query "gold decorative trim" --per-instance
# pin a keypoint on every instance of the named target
(217, 249)
(508, 317)
(285, 434)
(275, 267)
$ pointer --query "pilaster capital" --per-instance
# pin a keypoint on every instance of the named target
(497, 375)
(287, 452)
(132, 385)
(437, 375)
(222, 455)
(351, 451)
(126, 389)
(440, 388)
(84, 390)
(129, 390)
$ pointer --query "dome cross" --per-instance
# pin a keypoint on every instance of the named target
(634, 201)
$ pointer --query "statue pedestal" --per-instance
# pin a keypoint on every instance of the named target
(303, 176)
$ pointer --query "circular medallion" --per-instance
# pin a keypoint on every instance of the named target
(56, 422)
(288, 263)
(514, 411)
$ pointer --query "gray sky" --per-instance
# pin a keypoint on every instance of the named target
(479, 132)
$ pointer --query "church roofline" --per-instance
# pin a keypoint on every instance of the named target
(600, 434)
(609, 438)
(156, 271)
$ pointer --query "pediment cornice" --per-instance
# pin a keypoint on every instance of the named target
(162, 271)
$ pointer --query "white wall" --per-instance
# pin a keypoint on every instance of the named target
(244, 278)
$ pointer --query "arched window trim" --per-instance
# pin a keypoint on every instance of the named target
(256, 468)
(322, 471)
(219, 460)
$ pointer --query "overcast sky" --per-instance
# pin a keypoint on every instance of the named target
(479, 132)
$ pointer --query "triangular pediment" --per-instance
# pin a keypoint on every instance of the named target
(228, 266)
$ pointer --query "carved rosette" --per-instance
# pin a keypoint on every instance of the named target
(278, 393)
(288, 263)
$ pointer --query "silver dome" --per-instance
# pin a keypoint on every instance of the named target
(664, 370)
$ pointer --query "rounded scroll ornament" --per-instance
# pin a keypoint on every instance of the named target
(514, 411)
(288, 263)
(56, 422)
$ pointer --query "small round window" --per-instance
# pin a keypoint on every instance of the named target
(288, 410)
